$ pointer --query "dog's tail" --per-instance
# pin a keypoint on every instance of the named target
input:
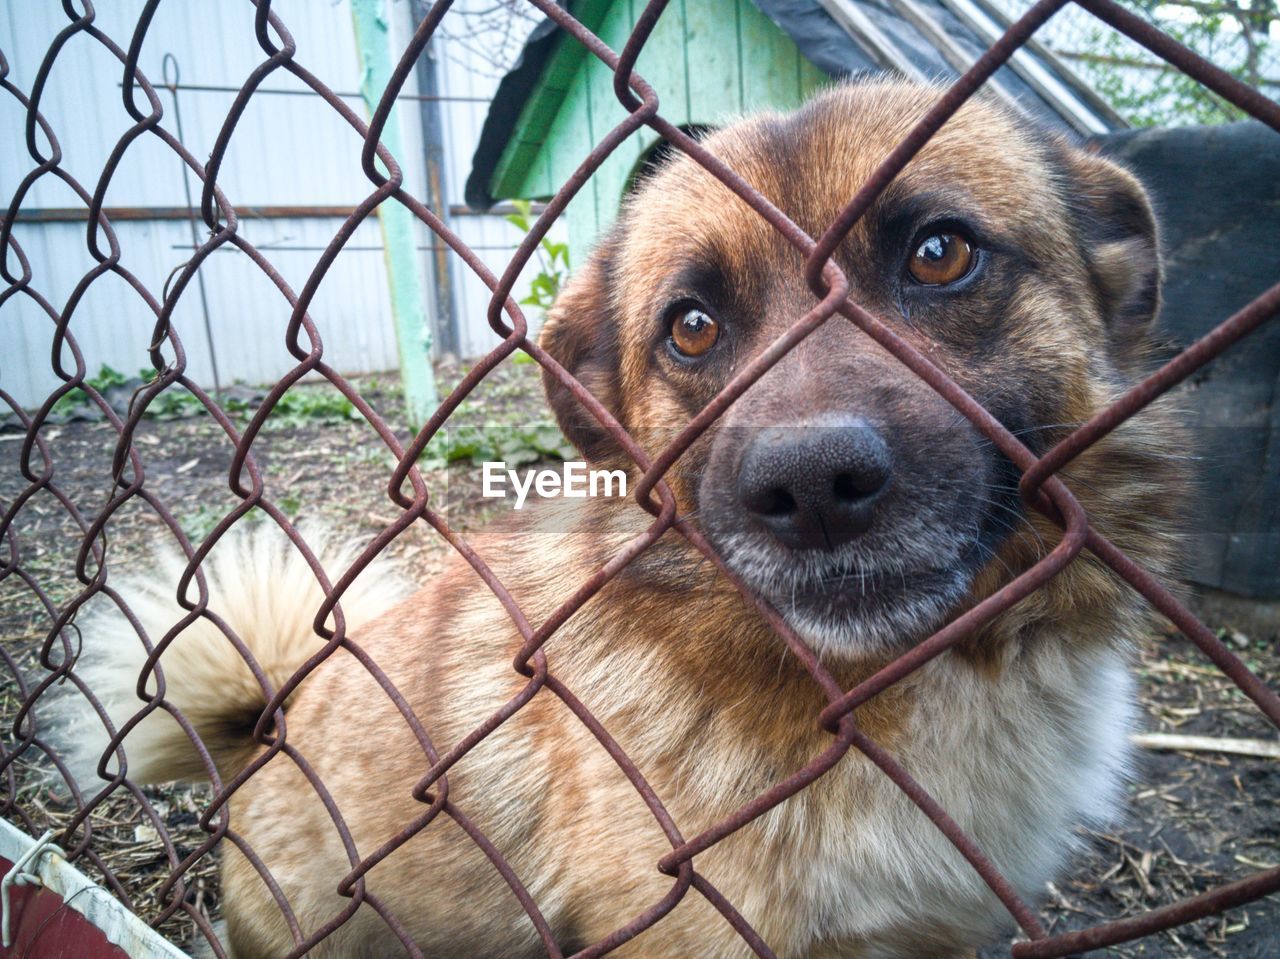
(262, 589)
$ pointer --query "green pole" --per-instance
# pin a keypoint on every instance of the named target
(399, 247)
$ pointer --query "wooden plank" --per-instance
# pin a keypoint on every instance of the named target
(714, 75)
(67, 914)
(811, 78)
(607, 112)
(535, 121)
(544, 171)
(1255, 748)
(771, 76)
(569, 141)
(536, 182)
(44, 928)
(581, 220)
(708, 59)
(518, 171)
(662, 62)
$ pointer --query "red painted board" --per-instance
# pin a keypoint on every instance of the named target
(45, 927)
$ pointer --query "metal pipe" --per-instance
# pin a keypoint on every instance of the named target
(78, 214)
(269, 91)
(446, 314)
(413, 334)
(193, 218)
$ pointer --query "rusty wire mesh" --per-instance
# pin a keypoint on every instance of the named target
(1040, 487)
(1148, 90)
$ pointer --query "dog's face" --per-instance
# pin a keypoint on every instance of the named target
(840, 485)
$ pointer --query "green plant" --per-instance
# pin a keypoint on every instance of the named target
(290, 504)
(175, 403)
(107, 377)
(200, 522)
(553, 258)
(513, 445)
(296, 407)
(303, 405)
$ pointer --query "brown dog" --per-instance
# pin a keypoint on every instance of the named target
(840, 487)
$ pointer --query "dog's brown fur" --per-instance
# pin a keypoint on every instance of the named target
(678, 668)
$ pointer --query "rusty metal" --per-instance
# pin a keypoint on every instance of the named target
(446, 334)
(264, 91)
(1040, 487)
(70, 214)
(172, 73)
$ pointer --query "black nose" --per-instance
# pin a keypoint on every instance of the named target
(814, 487)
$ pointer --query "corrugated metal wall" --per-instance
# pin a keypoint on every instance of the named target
(287, 151)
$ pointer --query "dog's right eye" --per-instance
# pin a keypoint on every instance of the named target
(693, 332)
(941, 258)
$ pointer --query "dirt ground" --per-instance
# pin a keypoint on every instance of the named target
(1195, 819)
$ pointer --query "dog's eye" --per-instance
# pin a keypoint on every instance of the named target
(694, 333)
(941, 258)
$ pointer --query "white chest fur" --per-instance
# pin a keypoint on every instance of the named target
(1017, 762)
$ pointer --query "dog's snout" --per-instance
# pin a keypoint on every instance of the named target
(815, 487)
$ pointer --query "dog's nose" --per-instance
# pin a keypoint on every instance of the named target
(815, 487)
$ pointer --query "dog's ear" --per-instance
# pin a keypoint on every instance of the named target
(1118, 237)
(581, 333)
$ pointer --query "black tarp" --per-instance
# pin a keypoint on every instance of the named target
(1216, 192)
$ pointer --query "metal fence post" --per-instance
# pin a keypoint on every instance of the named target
(447, 334)
(399, 248)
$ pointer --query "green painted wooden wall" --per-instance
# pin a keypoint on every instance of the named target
(709, 60)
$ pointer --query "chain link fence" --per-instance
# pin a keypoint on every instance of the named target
(176, 888)
(1241, 38)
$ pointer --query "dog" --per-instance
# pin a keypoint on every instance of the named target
(839, 487)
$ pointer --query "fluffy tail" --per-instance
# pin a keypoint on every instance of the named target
(262, 588)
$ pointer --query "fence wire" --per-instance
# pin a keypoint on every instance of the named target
(1148, 90)
(1040, 487)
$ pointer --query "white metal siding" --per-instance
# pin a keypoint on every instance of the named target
(285, 151)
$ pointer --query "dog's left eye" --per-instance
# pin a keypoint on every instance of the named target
(694, 332)
(941, 258)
